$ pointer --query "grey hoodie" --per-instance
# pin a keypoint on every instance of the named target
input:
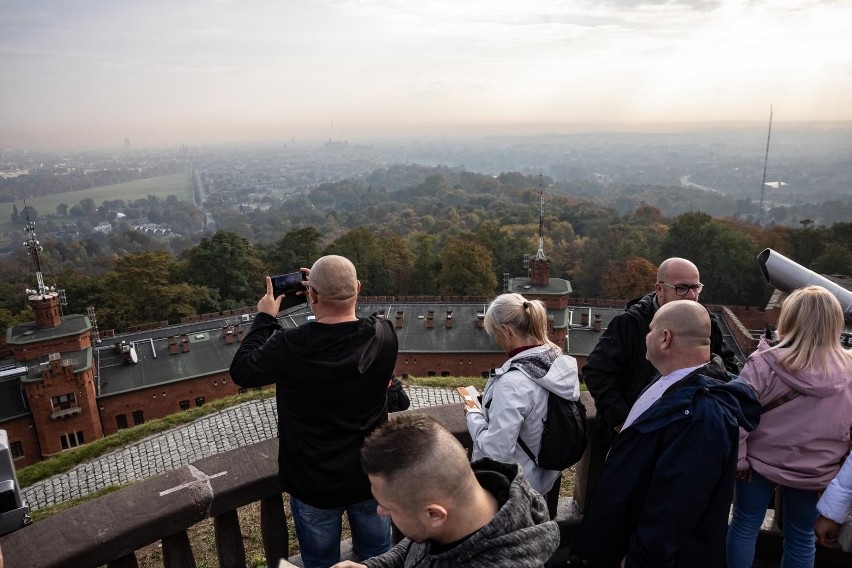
(519, 536)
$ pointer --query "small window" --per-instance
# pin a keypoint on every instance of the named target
(184, 405)
(242, 390)
(17, 450)
(138, 418)
(121, 421)
(199, 401)
(445, 373)
(258, 389)
(80, 439)
(431, 373)
(64, 402)
(63, 440)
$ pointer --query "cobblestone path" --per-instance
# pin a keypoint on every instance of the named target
(232, 428)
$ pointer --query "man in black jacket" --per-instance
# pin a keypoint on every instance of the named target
(617, 370)
(331, 378)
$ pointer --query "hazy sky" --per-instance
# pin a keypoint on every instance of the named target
(183, 71)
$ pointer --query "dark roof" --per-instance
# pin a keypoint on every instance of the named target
(556, 286)
(415, 337)
(24, 333)
(81, 360)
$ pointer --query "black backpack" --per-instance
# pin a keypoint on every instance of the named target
(564, 437)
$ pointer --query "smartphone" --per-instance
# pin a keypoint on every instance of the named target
(288, 284)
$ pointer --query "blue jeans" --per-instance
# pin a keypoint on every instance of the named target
(798, 517)
(319, 532)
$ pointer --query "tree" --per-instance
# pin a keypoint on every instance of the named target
(227, 263)
(426, 265)
(30, 213)
(724, 254)
(62, 210)
(15, 214)
(362, 247)
(399, 263)
(90, 209)
(466, 269)
(835, 259)
(297, 248)
(629, 278)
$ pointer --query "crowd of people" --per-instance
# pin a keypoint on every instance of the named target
(680, 430)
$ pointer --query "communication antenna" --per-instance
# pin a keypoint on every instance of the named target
(540, 254)
(33, 249)
(765, 161)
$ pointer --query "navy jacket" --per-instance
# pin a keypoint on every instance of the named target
(617, 371)
(665, 490)
(331, 391)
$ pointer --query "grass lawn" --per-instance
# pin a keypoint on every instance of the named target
(178, 185)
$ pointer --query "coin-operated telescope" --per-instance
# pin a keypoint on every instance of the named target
(14, 513)
(787, 276)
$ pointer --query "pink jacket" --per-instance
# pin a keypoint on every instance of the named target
(801, 443)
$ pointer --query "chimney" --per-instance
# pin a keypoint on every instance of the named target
(596, 326)
(228, 332)
(480, 321)
(240, 333)
(173, 348)
(584, 319)
(430, 319)
(184, 343)
(55, 362)
(399, 319)
(448, 323)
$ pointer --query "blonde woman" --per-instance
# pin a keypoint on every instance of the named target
(514, 402)
(805, 388)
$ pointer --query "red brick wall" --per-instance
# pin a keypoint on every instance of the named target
(72, 343)
(57, 381)
(457, 364)
(22, 430)
(162, 400)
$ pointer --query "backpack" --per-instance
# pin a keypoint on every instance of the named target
(564, 437)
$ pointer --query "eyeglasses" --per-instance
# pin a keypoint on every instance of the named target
(682, 290)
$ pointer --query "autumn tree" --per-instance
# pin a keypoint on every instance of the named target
(629, 278)
(297, 248)
(466, 269)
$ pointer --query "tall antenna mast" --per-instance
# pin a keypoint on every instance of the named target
(540, 254)
(33, 248)
(765, 161)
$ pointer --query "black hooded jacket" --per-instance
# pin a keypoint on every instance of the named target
(617, 371)
(331, 389)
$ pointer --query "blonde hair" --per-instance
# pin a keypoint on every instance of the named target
(527, 317)
(810, 326)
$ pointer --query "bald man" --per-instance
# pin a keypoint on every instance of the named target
(665, 489)
(616, 371)
(453, 513)
(331, 378)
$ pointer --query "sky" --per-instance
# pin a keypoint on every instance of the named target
(91, 73)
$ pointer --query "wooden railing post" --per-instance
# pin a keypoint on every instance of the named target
(177, 552)
(273, 529)
(229, 540)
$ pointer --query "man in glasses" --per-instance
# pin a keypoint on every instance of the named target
(617, 370)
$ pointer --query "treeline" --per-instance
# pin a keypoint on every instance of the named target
(449, 233)
(49, 181)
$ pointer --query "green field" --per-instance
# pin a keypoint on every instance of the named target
(178, 184)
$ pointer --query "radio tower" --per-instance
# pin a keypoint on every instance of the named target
(540, 254)
(33, 248)
(765, 161)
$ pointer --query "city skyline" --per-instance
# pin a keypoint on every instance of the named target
(88, 74)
